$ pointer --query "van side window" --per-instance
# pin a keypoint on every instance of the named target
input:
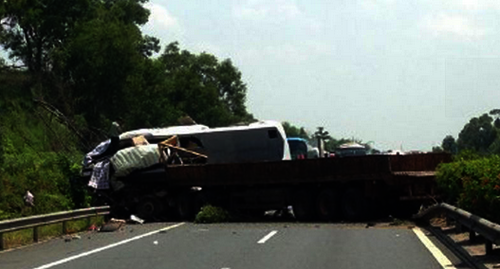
(272, 134)
(190, 143)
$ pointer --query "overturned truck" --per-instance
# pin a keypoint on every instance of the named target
(172, 172)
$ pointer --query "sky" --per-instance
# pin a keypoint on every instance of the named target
(403, 74)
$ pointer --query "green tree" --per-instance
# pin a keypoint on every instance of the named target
(437, 149)
(294, 131)
(100, 61)
(478, 134)
(209, 91)
(496, 114)
(32, 29)
(449, 145)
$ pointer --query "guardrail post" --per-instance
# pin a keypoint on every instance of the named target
(448, 220)
(35, 234)
(472, 235)
(1, 241)
(489, 247)
(65, 227)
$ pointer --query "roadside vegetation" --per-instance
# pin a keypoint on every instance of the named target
(212, 214)
(472, 180)
(24, 237)
(75, 66)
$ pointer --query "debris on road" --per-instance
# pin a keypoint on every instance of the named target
(93, 228)
(112, 225)
(136, 219)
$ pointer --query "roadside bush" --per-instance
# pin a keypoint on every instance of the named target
(473, 185)
(212, 214)
(40, 155)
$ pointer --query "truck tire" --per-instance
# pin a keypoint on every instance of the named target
(327, 205)
(149, 208)
(354, 205)
(303, 206)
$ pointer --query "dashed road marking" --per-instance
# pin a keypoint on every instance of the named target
(107, 247)
(267, 237)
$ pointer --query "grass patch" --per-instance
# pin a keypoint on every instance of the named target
(212, 214)
(25, 236)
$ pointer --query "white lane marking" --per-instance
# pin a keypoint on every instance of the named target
(265, 238)
(438, 255)
(107, 247)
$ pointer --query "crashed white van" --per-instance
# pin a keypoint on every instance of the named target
(259, 141)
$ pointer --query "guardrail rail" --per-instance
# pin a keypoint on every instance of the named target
(474, 224)
(40, 220)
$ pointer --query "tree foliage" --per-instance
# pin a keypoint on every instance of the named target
(478, 135)
(88, 61)
(32, 29)
(294, 131)
(473, 184)
(449, 145)
(209, 91)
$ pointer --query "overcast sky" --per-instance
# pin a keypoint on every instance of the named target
(399, 73)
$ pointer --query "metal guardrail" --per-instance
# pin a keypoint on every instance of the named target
(474, 224)
(40, 220)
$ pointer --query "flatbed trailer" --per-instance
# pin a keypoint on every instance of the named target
(350, 188)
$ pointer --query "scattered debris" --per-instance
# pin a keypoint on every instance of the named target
(155, 242)
(29, 198)
(136, 219)
(77, 237)
(112, 225)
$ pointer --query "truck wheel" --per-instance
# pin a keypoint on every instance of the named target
(303, 206)
(354, 205)
(149, 208)
(327, 205)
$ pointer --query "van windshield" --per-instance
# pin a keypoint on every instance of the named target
(298, 149)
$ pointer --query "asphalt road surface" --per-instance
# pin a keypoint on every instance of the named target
(237, 246)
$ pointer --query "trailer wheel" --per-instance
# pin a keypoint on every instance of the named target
(303, 206)
(354, 205)
(149, 208)
(327, 205)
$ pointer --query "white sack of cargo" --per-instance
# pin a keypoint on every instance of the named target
(127, 160)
